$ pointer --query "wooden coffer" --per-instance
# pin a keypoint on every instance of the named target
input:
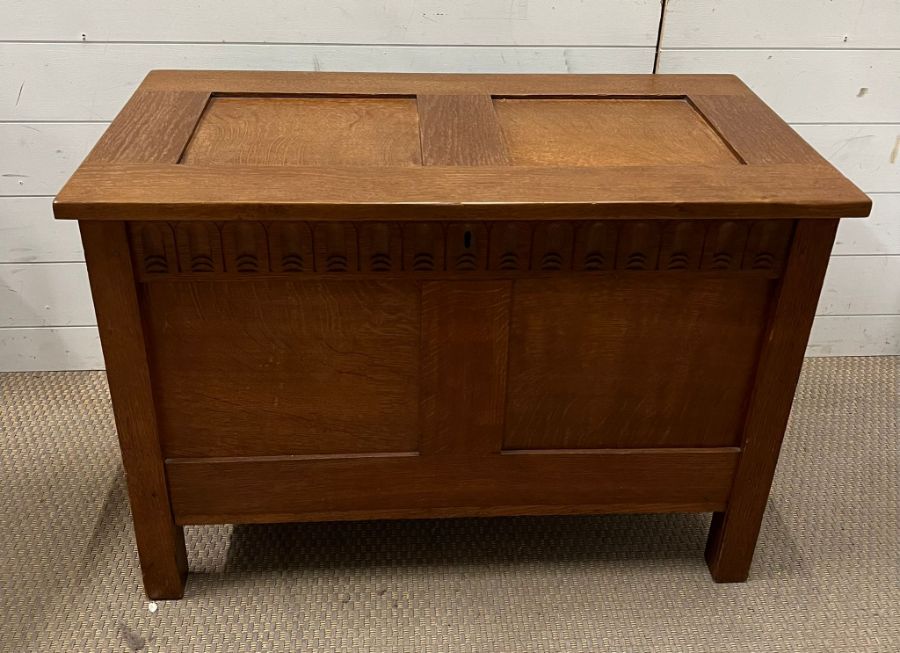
(341, 296)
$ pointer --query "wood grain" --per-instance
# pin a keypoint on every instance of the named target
(235, 81)
(283, 367)
(150, 192)
(160, 542)
(286, 145)
(460, 130)
(464, 335)
(364, 296)
(733, 534)
(591, 362)
(602, 132)
(152, 128)
(755, 131)
(297, 489)
(298, 131)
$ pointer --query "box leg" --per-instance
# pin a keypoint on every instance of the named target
(730, 546)
(163, 559)
(160, 540)
(733, 534)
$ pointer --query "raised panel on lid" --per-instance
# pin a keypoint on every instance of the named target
(323, 147)
(608, 132)
(306, 131)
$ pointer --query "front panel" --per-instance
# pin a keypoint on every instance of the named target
(284, 367)
(630, 361)
(340, 353)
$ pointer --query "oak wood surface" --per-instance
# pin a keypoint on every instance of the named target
(733, 534)
(296, 131)
(591, 362)
(142, 135)
(608, 132)
(281, 367)
(460, 130)
(153, 192)
(347, 296)
(428, 250)
(291, 489)
(464, 361)
(456, 146)
(755, 131)
(236, 81)
(160, 542)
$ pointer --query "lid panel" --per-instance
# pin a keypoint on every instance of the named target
(209, 145)
(306, 131)
(608, 132)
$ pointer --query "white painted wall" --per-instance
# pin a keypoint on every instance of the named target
(832, 70)
(67, 68)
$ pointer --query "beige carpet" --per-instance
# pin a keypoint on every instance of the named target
(826, 575)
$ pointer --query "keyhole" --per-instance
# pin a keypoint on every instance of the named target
(467, 239)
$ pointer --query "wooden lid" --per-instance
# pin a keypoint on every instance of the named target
(238, 145)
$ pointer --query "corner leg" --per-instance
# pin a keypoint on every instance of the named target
(160, 540)
(730, 545)
(163, 558)
(733, 534)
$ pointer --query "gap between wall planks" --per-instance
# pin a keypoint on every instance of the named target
(659, 34)
(834, 80)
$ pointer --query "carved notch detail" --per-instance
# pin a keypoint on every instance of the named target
(250, 247)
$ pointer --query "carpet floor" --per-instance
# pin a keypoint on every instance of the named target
(826, 576)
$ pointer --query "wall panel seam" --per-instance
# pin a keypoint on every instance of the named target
(590, 46)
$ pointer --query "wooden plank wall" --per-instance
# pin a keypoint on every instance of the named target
(67, 68)
(831, 69)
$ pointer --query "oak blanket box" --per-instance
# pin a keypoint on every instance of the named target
(357, 296)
